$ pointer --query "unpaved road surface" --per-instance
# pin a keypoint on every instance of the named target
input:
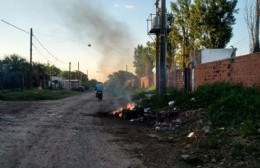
(64, 133)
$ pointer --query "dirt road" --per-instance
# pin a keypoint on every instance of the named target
(62, 133)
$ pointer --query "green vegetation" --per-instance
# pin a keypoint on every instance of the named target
(232, 110)
(15, 73)
(35, 94)
(224, 104)
(115, 85)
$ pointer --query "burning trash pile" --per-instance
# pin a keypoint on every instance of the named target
(134, 112)
(129, 111)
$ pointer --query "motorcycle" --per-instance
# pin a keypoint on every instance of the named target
(99, 95)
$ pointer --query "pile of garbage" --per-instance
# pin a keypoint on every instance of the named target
(189, 130)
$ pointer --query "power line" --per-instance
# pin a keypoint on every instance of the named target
(40, 53)
(62, 40)
(15, 26)
(36, 40)
(48, 51)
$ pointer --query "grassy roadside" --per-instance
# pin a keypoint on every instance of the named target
(231, 112)
(35, 95)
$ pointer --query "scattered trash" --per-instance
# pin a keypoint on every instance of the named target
(206, 129)
(147, 110)
(190, 135)
(192, 99)
(157, 128)
(149, 96)
(171, 103)
(222, 128)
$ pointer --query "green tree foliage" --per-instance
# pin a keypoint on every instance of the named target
(75, 75)
(116, 81)
(120, 77)
(40, 75)
(14, 73)
(180, 36)
(200, 24)
(53, 71)
(144, 59)
(212, 22)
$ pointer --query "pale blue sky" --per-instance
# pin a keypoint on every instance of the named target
(61, 26)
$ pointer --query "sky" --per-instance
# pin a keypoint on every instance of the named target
(63, 30)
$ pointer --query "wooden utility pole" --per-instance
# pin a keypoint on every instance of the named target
(30, 75)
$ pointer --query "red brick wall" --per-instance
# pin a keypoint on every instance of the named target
(243, 69)
(147, 81)
(246, 70)
(175, 79)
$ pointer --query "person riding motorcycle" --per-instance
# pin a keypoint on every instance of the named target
(99, 90)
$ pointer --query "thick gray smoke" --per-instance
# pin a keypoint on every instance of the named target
(111, 38)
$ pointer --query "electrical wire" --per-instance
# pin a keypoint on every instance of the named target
(36, 40)
(62, 40)
(36, 49)
(15, 26)
(48, 50)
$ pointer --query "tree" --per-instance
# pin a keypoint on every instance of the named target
(202, 24)
(40, 75)
(212, 21)
(116, 82)
(53, 71)
(252, 12)
(144, 59)
(13, 71)
(180, 36)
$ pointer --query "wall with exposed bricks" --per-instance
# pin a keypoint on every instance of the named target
(243, 69)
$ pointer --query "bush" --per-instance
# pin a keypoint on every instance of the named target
(225, 104)
(237, 106)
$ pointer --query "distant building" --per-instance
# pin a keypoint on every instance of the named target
(55, 82)
(58, 82)
(72, 84)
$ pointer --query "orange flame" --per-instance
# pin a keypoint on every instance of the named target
(119, 112)
(130, 106)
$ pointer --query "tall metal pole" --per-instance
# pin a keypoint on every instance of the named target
(163, 38)
(30, 75)
(157, 56)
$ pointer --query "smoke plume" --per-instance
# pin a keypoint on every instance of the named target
(111, 38)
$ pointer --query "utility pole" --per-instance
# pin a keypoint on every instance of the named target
(126, 74)
(157, 56)
(78, 74)
(69, 76)
(30, 75)
(257, 22)
(163, 37)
